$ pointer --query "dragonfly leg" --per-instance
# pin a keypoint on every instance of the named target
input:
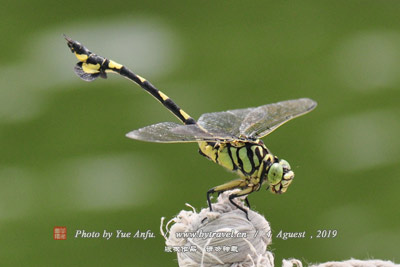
(247, 202)
(244, 192)
(239, 183)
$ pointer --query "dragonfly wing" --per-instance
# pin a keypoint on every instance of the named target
(201, 134)
(170, 132)
(265, 119)
(225, 123)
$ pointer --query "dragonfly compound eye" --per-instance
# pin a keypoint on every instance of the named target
(275, 173)
(285, 164)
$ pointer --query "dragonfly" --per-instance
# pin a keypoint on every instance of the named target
(229, 138)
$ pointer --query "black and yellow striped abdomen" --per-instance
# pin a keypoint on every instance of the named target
(91, 66)
(247, 159)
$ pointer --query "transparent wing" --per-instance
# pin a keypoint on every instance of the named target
(170, 132)
(225, 123)
(228, 125)
(265, 119)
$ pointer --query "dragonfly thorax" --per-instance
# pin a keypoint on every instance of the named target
(244, 158)
(252, 161)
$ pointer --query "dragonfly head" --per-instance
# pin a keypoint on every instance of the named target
(78, 49)
(279, 176)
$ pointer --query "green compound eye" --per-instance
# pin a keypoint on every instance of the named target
(285, 164)
(275, 173)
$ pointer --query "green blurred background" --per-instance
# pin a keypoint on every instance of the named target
(64, 159)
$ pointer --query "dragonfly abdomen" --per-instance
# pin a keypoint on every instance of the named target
(91, 66)
(160, 96)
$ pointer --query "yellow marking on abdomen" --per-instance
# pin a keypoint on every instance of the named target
(184, 114)
(90, 68)
(114, 65)
(81, 58)
(141, 79)
(163, 96)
